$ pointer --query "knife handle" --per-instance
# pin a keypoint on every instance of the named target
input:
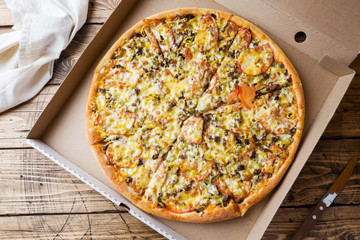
(310, 221)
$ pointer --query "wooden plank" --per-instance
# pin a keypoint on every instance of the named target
(71, 54)
(6, 18)
(100, 10)
(32, 184)
(345, 122)
(317, 176)
(337, 146)
(337, 222)
(5, 29)
(14, 127)
(17, 122)
(356, 64)
(39, 102)
(75, 226)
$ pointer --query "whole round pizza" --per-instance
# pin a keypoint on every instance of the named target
(195, 115)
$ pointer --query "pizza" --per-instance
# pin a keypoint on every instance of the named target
(195, 115)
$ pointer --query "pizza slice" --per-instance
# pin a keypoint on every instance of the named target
(186, 186)
(248, 178)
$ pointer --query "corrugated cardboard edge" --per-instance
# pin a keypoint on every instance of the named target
(307, 146)
(101, 188)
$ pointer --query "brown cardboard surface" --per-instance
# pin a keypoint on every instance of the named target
(324, 81)
(333, 18)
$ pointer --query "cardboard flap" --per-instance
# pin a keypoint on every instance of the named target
(335, 67)
(336, 19)
(284, 19)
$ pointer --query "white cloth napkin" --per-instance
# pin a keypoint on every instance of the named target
(43, 28)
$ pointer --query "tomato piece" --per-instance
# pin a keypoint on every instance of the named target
(223, 187)
(188, 54)
(192, 130)
(233, 96)
(125, 152)
(255, 61)
(276, 152)
(275, 120)
(229, 32)
(268, 165)
(201, 77)
(247, 95)
(152, 39)
(184, 201)
(207, 37)
(163, 34)
(196, 169)
(213, 85)
(242, 39)
(138, 190)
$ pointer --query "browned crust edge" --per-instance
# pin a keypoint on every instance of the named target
(92, 135)
(214, 213)
(297, 87)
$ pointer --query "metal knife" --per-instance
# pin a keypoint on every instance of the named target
(326, 201)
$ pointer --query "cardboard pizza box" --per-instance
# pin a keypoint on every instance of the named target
(321, 60)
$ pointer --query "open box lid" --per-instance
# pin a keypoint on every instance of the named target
(331, 26)
(64, 115)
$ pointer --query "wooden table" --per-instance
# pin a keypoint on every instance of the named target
(41, 200)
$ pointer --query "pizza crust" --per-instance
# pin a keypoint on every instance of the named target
(211, 213)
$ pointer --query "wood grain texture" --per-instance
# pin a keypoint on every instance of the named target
(317, 176)
(40, 200)
(31, 184)
(6, 18)
(336, 223)
(71, 54)
(100, 10)
(76, 226)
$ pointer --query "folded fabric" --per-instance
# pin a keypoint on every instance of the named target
(42, 30)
